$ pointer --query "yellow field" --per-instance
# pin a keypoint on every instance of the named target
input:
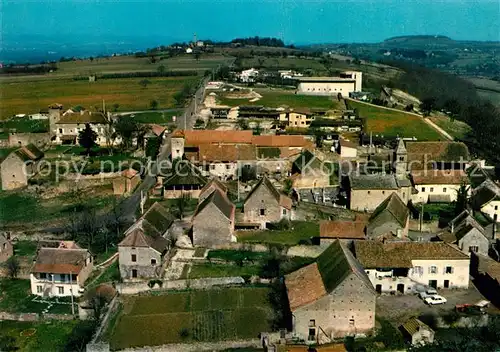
(29, 96)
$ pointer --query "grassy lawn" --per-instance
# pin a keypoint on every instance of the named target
(29, 96)
(277, 98)
(112, 273)
(392, 123)
(301, 230)
(38, 336)
(438, 210)
(24, 125)
(457, 129)
(157, 117)
(210, 315)
(15, 297)
(26, 208)
(25, 248)
(222, 270)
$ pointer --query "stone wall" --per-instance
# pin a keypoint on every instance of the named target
(211, 227)
(34, 316)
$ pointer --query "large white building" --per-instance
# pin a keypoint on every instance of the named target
(404, 266)
(348, 82)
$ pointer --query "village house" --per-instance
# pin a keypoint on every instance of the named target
(142, 251)
(265, 204)
(366, 192)
(467, 234)
(390, 219)
(19, 166)
(296, 118)
(6, 248)
(61, 271)
(69, 126)
(347, 149)
(213, 221)
(184, 179)
(437, 186)
(403, 267)
(331, 297)
(486, 272)
(345, 230)
(308, 171)
(126, 182)
(486, 198)
(417, 333)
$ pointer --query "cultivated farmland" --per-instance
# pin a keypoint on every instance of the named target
(174, 317)
(392, 123)
(29, 96)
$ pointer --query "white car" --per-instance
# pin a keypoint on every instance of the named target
(429, 292)
(435, 299)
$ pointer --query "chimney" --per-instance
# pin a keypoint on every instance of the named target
(81, 112)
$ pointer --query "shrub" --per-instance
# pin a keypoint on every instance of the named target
(184, 333)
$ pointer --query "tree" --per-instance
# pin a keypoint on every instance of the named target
(288, 186)
(461, 202)
(242, 124)
(161, 69)
(87, 138)
(116, 106)
(182, 203)
(258, 129)
(91, 59)
(427, 105)
(127, 129)
(144, 82)
(197, 55)
(13, 267)
(153, 59)
(153, 104)
(110, 135)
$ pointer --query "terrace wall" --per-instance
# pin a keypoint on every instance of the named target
(34, 316)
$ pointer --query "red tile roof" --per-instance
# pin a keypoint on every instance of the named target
(439, 177)
(60, 260)
(197, 137)
(342, 229)
(310, 277)
(281, 141)
(129, 173)
(223, 153)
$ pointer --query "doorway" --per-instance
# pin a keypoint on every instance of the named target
(446, 283)
(134, 273)
(401, 288)
(433, 283)
(378, 288)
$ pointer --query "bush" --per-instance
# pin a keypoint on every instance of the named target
(184, 333)
(80, 336)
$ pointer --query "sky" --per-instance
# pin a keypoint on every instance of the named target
(295, 21)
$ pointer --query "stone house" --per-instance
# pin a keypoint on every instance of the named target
(403, 267)
(331, 297)
(142, 251)
(437, 186)
(19, 166)
(417, 333)
(6, 248)
(347, 149)
(391, 218)
(126, 182)
(486, 198)
(213, 221)
(344, 230)
(69, 126)
(60, 271)
(366, 192)
(265, 204)
(308, 171)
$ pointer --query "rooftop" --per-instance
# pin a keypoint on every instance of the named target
(60, 260)
(324, 79)
(439, 177)
(343, 229)
(282, 199)
(421, 154)
(413, 325)
(375, 181)
(375, 254)
(220, 201)
(83, 117)
(226, 153)
(394, 206)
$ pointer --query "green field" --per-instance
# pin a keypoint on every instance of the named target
(277, 98)
(50, 336)
(24, 125)
(457, 129)
(222, 270)
(300, 231)
(28, 95)
(173, 317)
(157, 117)
(285, 63)
(392, 123)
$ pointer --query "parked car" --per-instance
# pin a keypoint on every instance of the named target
(435, 299)
(429, 292)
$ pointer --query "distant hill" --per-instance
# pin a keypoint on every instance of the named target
(419, 39)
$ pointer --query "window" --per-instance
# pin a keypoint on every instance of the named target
(351, 322)
(423, 189)
(496, 207)
(369, 192)
(433, 270)
(228, 167)
(63, 277)
(263, 212)
(39, 289)
(473, 249)
(134, 273)
(431, 189)
(401, 158)
(43, 276)
(383, 192)
(60, 130)
(444, 190)
(448, 270)
(73, 277)
(60, 290)
(284, 211)
(404, 194)
(212, 167)
(133, 258)
(312, 334)
(153, 261)
(312, 323)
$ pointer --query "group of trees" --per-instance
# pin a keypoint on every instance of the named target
(187, 91)
(28, 69)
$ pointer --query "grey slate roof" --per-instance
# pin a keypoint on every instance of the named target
(394, 206)
(220, 201)
(375, 181)
(485, 193)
